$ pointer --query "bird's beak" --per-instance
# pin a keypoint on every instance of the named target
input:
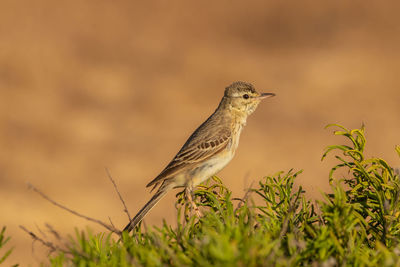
(265, 95)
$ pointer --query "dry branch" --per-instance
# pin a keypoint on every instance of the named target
(119, 194)
(107, 226)
(53, 231)
(245, 197)
(48, 244)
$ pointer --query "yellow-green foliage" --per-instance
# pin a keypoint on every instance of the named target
(3, 241)
(356, 225)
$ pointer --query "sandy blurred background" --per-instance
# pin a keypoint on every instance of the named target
(88, 84)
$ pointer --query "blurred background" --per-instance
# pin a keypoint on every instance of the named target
(88, 85)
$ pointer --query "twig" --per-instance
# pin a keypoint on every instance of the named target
(108, 227)
(40, 231)
(285, 225)
(53, 232)
(48, 244)
(109, 218)
(291, 210)
(119, 194)
(246, 196)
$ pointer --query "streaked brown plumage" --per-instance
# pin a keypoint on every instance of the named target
(209, 148)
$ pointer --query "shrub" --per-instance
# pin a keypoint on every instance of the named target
(273, 224)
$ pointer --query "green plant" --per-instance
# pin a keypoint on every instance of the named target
(3, 241)
(373, 188)
(274, 224)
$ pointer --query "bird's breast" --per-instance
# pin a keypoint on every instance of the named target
(210, 167)
(236, 131)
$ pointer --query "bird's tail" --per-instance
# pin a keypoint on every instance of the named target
(149, 205)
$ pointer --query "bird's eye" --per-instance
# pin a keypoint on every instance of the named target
(245, 96)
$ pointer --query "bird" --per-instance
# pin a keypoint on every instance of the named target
(209, 149)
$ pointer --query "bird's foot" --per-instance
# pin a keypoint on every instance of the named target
(188, 193)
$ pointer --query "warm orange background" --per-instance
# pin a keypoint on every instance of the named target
(90, 84)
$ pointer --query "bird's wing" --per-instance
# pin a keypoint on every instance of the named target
(198, 148)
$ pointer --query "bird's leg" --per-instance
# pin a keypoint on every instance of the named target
(189, 197)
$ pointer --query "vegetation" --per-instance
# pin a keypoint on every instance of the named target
(3, 241)
(358, 224)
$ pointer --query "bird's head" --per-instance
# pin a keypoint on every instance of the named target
(242, 97)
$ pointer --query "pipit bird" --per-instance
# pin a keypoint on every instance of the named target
(208, 149)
